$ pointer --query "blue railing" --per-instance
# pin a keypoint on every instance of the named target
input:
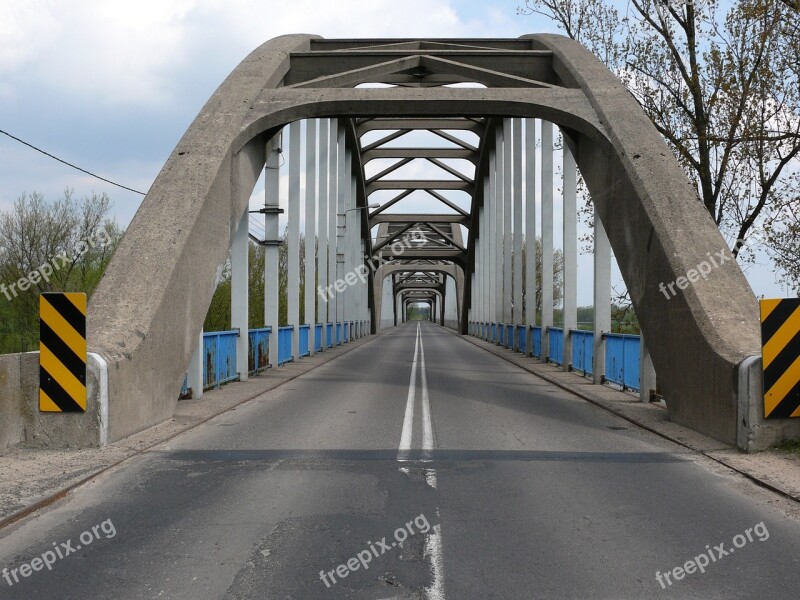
(338, 333)
(219, 351)
(329, 335)
(346, 331)
(582, 350)
(622, 351)
(521, 339)
(258, 359)
(304, 331)
(536, 350)
(285, 344)
(318, 344)
(622, 359)
(555, 338)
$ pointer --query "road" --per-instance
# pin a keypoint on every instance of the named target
(502, 486)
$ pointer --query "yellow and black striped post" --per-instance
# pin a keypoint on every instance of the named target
(62, 352)
(780, 354)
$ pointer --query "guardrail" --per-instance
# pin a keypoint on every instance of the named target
(318, 337)
(582, 350)
(622, 359)
(536, 346)
(303, 333)
(219, 349)
(555, 351)
(285, 344)
(622, 351)
(258, 360)
(219, 352)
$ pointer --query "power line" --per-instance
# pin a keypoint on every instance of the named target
(69, 164)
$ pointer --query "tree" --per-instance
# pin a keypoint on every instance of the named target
(218, 317)
(784, 240)
(59, 246)
(558, 277)
(721, 86)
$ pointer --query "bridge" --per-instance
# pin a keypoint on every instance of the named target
(399, 458)
(474, 110)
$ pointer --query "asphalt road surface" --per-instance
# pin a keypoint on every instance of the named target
(415, 466)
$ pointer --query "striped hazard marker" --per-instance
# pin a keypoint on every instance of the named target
(780, 352)
(62, 352)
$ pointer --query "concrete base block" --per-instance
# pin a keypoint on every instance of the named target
(22, 422)
(754, 433)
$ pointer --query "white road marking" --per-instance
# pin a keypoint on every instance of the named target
(433, 539)
(427, 427)
(408, 422)
(433, 548)
(430, 477)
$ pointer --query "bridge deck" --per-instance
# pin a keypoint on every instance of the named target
(513, 488)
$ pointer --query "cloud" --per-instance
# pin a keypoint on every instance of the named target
(147, 53)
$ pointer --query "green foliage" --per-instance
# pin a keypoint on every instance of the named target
(721, 83)
(51, 246)
(419, 312)
(219, 312)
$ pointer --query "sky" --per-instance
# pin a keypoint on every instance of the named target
(112, 86)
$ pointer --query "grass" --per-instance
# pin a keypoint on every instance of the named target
(789, 446)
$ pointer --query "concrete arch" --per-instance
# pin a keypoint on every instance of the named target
(146, 313)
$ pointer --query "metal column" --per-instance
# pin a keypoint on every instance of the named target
(195, 372)
(570, 240)
(507, 222)
(516, 314)
(310, 262)
(239, 293)
(530, 232)
(498, 227)
(322, 235)
(491, 295)
(602, 297)
(547, 234)
(341, 248)
(293, 241)
(333, 233)
(272, 177)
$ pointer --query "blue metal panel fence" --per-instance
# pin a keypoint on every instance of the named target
(304, 331)
(329, 335)
(555, 352)
(493, 331)
(285, 344)
(258, 359)
(537, 341)
(622, 359)
(346, 334)
(219, 350)
(509, 338)
(582, 350)
(521, 338)
(318, 337)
